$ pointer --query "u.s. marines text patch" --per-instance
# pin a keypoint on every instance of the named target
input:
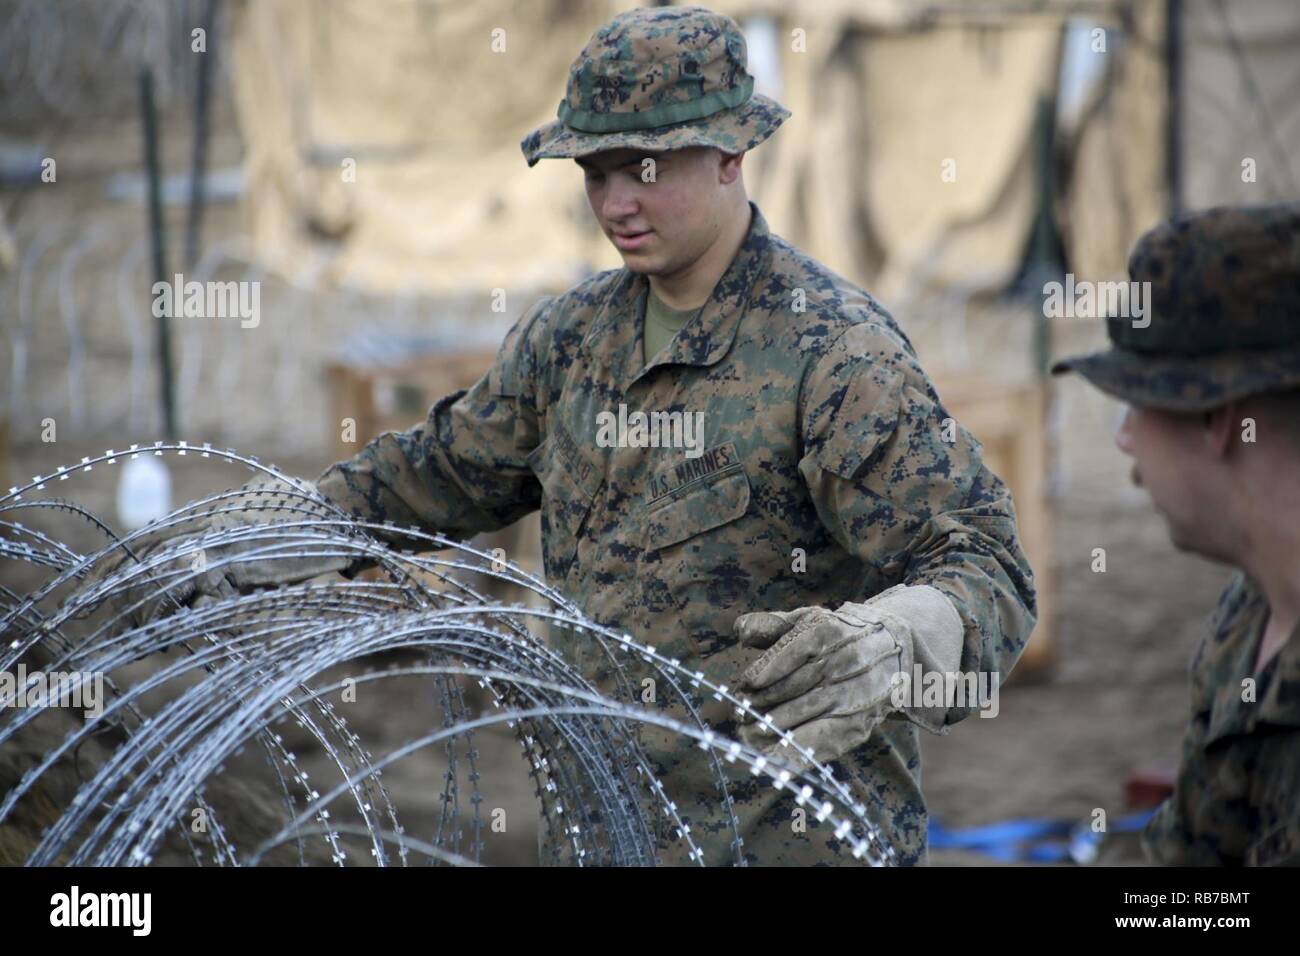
(671, 477)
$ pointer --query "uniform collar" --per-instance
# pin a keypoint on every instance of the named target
(615, 339)
(1279, 702)
(1230, 659)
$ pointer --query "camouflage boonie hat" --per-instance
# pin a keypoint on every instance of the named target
(658, 79)
(1224, 312)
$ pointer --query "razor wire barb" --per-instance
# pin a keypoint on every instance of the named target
(188, 688)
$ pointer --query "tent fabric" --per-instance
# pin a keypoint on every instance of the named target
(882, 92)
(1115, 186)
(1241, 101)
(1239, 81)
(411, 92)
(382, 141)
(856, 177)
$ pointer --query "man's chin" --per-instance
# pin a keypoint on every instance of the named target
(1180, 543)
(641, 265)
(1187, 542)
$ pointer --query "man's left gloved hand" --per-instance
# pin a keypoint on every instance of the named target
(180, 582)
(828, 676)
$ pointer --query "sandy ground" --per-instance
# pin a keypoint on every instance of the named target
(1060, 746)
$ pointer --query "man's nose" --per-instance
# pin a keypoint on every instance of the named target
(1124, 434)
(620, 199)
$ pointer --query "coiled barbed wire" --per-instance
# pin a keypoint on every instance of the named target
(188, 691)
(77, 309)
(79, 58)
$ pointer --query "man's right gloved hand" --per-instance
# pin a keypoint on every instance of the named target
(201, 572)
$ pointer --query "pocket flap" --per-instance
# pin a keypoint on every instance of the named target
(560, 460)
(702, 508)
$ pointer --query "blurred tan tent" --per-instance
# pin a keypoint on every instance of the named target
(384, 138)
(1114, 143)
(1236, 124)
(1240, 80)
(8, 248)
(385, 135)
(909, 155)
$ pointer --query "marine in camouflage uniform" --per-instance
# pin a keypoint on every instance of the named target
(1224, 326)
(829, 471)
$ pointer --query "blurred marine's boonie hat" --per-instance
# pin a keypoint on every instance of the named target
(1224, 312)
(657, 79)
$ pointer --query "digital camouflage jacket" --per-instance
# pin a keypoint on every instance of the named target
(1237, 797)
(829, 472)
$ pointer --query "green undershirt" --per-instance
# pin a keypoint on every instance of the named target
(661, 324)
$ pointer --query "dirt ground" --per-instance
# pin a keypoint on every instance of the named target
(1061, 745)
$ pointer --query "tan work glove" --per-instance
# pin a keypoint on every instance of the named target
(828, 677)
(199, 574)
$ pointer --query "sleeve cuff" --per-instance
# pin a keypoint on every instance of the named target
(926, 623)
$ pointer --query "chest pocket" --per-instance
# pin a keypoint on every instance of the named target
(693, 543)
(701, 506)
(570, 481)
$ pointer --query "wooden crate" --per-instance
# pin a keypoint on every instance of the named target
(397, 397)
(1010, 421)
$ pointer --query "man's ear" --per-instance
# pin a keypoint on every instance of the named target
(1221, 428)
(729, 166)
